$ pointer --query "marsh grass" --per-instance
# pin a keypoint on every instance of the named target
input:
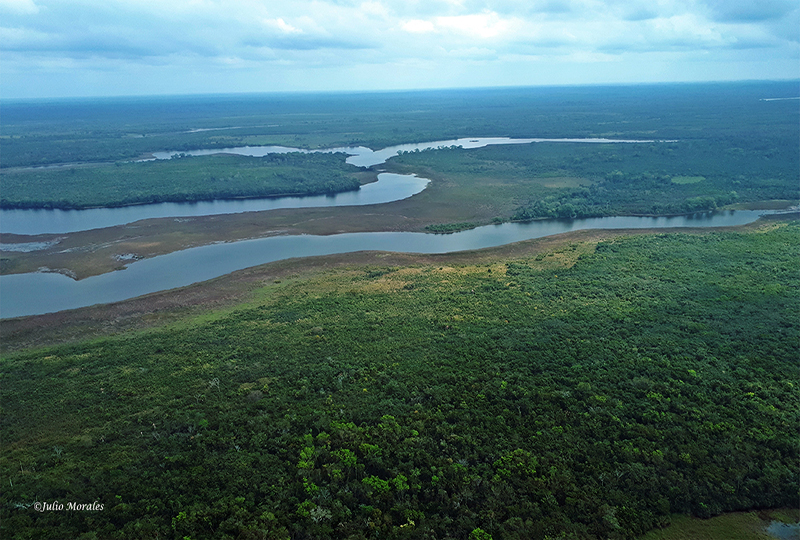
(734, 526)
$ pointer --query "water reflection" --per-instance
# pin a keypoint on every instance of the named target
(389, 187)
(28, 294)
(784, 531)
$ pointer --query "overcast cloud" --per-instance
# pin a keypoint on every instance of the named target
(52, 48)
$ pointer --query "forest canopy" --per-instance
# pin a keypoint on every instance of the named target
(585, 392)
(180, 179)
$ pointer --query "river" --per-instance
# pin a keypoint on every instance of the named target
(362, 156)
(36, 293)
(389, 187)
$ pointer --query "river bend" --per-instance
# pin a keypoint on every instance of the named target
(36, 293)
(389, 187)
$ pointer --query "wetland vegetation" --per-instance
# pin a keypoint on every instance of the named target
(587, 391)
(558, 180)
(587, 387)
(743, 147)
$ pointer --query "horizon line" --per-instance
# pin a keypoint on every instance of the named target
(386, 91)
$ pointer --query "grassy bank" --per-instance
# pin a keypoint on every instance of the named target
(735, 526)
(731, 148)
(589, 391)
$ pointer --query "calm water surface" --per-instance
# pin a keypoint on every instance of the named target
(35, 293)
(390, 187)
(362, 156)
(784, 531)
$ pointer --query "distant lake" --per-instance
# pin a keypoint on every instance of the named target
(389, 187)
(35, 293)
(362, 156)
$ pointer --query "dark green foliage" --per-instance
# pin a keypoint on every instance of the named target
(450, 227)
(183, 179)
(724, 132)
(558, 180)
(656, 375)
(95, 130)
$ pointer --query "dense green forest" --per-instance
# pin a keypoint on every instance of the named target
(734, 146)
(36, 132)
(586, 392)
(563, 180)
(180, 179)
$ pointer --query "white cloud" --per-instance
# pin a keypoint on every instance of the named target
(484, 25)
(417, 26)
(21, 7)
(372, 36)
(283, 26)
(481, 25)
(374, 9)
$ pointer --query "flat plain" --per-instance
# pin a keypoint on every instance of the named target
(588, 385)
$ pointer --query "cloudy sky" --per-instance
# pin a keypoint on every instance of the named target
(54, 48)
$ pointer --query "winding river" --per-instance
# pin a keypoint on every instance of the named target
(362, 156)
(389, 187)
(37, 293)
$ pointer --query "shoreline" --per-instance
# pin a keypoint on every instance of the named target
(36, 293)
(99, 251)
(235, 289)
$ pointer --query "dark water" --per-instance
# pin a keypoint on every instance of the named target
(35, 293)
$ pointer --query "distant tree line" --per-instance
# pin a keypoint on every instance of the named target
(178, 180)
